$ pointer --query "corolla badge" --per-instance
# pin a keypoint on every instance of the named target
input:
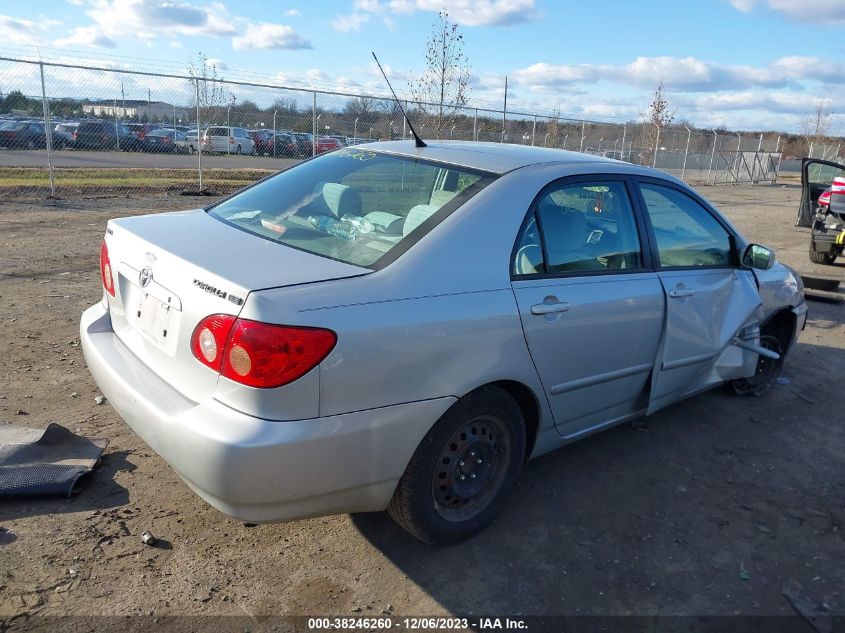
(145, 277)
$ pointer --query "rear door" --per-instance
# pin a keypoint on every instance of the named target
(709, 298)
(591, 305)
(816, 176)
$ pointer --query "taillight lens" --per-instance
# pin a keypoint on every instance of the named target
(105, 269)
(209, 339)
(259, 354)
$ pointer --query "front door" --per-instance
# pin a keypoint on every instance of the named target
(709, 299)
(591, 312)
(816, 176)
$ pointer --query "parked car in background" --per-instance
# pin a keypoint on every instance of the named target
(327, 144)
(192, 138)
(23, 135)
(340, 139)
(285, 145)
(140, 130)
(403, 327)
(263, 140)
(227, 140)
(63, 134)
(104, 135)
(304, 141)
(163, 140)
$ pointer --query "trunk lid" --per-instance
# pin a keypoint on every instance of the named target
(172, 270)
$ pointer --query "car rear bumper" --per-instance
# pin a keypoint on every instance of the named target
(253, 469)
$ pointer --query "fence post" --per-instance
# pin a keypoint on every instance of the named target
(48, 132)
(116, 130)
(624, 132)
(712, 154)
(275, 140)
(583, 132)
(405, 122)
(314, 125)
(475, 126)
(199, 132)
(777, 146)
(534, 131)
(686, 153)
(656, 147)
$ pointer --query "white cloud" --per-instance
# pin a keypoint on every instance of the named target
(150, 18)
(86, 36)
(686, 74)
(830, 12)
(292, 13)
(76, 3)
(352, 22)
(176, 44)
(268, 35)
(219, 64)
(463, 12)
(21, 31)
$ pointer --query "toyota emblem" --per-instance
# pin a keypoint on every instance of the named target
(145, 277)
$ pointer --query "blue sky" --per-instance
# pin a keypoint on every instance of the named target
(747, 64)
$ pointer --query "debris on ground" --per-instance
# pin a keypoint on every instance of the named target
(148, 538)
(100, 399)
(817, 615)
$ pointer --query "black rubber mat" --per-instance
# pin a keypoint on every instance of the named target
(45, 462)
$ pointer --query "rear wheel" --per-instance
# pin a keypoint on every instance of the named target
(460, 474)
(238, 150)
(825, 259)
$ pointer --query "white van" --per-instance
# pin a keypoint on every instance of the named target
(228, 140)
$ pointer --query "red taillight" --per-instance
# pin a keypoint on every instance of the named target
(259, 354)
(73, 136)
(105, 269)
(209, 339)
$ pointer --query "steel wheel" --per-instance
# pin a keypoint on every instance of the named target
(460, 474)
(766, 372)
(469, 470)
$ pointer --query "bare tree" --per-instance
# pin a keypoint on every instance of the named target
(211, 92)
(443, 87)
(659, 115)
(816, 126)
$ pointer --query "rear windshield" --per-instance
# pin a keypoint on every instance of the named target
(356, 206)
(89, 127)
(218, 131)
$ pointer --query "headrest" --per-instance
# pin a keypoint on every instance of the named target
(341, 199)
(416, 216)
(441, 197)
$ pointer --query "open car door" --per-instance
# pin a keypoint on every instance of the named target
(816, 176)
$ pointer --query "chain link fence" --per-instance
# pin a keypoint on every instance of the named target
(68, 129)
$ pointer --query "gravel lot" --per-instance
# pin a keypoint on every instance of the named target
(713, 507)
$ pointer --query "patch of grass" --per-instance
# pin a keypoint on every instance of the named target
(89, 180)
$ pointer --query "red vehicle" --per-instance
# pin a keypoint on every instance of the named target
(327, 144)
(263, 140)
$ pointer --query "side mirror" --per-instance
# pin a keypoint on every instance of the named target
(756, 256)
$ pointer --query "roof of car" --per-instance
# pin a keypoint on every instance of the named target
(497, 158)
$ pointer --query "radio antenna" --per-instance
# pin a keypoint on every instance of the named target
(417, 140)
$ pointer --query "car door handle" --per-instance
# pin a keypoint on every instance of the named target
(677, 293)
(549, 308)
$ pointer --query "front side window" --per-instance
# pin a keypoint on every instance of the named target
(352, 205)
(586, 227)
(687, 234)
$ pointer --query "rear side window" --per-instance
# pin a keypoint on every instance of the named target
(686, 233)
(94, 127)
(359, 207)
(583, 227)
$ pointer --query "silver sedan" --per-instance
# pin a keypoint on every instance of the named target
(402, 328)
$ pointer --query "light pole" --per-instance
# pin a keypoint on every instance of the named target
(390, 132)
(546, 139)
(564, 140)
(600, 142)
(174, 118)
(355, 128)
(452, 133)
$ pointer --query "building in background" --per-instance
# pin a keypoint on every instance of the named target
(136, 109)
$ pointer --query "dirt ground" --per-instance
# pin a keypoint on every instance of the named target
(713, 507)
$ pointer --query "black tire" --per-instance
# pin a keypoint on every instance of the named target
(238, 150)
(494, 428)
(825, 259)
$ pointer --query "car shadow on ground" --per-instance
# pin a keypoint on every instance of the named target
(99, 492)
(713, 505)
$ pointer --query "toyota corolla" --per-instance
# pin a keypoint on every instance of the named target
(402, 328)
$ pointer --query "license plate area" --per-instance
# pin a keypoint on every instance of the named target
(156, 320)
